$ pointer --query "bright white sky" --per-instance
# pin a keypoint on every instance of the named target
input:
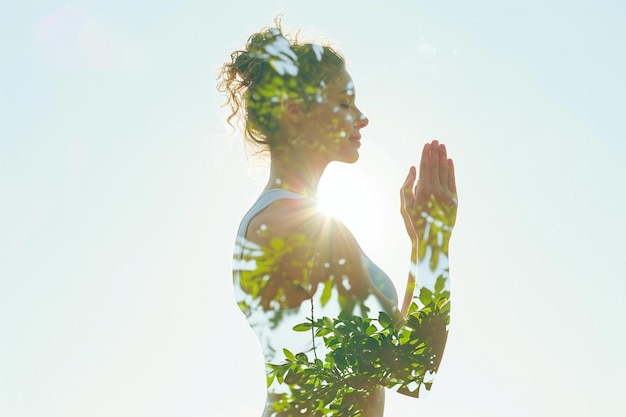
(122, 188)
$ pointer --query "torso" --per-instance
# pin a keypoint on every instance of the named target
(273, 321)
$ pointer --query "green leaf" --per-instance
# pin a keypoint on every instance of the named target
(439, 284)
(328, 289)
(288, 354)
(322, 332)
(412, 322)
(302, 327)
(385, 320)
(270, 378)
(426, 296)
(371, 329)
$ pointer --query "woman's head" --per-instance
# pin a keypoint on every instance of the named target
(273, 70)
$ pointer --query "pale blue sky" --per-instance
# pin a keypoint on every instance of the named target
(123, 186)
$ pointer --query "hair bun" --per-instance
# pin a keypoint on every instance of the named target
(253, 62)
(259, 40)
(249, 67)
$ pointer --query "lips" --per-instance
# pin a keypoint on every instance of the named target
(356, 140)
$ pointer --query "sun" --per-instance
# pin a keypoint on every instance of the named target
(352, 196)
(337, 194)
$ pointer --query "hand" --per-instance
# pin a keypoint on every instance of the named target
(433, 199)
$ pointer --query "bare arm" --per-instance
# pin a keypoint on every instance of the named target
(428, 207)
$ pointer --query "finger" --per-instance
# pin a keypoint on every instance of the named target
(443, 166)
(451, 177)
(408, 182)
(434, 164)
(406, 190)
(410, 179)
(425, 164)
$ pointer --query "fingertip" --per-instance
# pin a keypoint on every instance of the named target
(410, 177)
(452, 176)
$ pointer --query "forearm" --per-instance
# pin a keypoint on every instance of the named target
(425, 309)
(411, 280)
(428, 270)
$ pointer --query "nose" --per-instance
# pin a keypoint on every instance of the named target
(361, 121)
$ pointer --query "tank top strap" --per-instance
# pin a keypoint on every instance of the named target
(265, 199)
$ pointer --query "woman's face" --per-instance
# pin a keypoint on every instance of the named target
(332, 126)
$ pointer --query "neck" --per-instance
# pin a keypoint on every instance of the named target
(300, 174)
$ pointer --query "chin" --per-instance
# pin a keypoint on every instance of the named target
(347, 156)
(350, 159)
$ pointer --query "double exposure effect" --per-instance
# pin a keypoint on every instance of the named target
(331, 325)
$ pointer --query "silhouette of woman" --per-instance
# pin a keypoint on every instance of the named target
(326, 316)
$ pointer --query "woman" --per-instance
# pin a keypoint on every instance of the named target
(326, 316)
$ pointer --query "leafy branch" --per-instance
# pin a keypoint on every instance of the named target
(363, 353)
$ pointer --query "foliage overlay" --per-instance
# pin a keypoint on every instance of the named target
(361, 354)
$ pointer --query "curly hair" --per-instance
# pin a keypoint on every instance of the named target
(271, 68)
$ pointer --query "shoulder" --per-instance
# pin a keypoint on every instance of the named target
(289, 216)
(286, 218)
(296, 235)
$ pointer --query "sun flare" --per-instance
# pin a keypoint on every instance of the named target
(351, 195)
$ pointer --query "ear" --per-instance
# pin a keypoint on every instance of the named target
(292, 110)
